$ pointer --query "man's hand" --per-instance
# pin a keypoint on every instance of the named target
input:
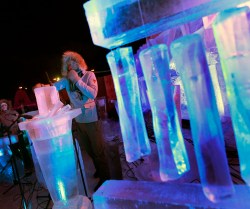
(73, 76)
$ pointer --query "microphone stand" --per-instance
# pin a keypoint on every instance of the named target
(81, 172)
(15, 170)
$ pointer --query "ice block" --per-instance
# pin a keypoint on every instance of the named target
(190, 59)
(172, 153)
(231, 29)
(115, 194)
(47, 98)
(114, 23)
(133, 129)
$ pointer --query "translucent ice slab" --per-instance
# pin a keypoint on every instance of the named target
(117, 194)
(115, 23)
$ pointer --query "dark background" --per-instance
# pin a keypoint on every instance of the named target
(35, 33)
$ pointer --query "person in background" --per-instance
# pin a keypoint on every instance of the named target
(9, 119)
(82, 88)
(22, 102)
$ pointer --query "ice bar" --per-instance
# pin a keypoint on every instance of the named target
(114, 23)
(190, 59)
(133, 129)
(172, 153)
(231, 29)
(115, 194)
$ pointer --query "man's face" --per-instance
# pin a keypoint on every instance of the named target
(4, 106)
(73, 65)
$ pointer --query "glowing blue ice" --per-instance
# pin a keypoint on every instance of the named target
(172, 153)
(53, 145)
(114, 23)
(231, 29)
(189, 56)
(133, 129)
(57, 160)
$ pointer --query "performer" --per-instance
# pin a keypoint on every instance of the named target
(82, 87)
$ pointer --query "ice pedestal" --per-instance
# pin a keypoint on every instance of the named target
(231, 29)
(53, 143)
(115, 194)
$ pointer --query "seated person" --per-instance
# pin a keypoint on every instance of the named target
(9, 126)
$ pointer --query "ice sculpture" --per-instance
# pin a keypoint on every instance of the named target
(231, 29)
(172, 153)
(190, 59)
(133, 129)
(114, 23)
(52, 139)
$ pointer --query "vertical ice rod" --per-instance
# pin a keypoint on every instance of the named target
(133, 129)
(190, 59)
(232, 36)
(170, 143)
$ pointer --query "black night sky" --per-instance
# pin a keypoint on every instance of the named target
(35, 33)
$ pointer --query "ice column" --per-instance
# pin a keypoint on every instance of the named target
(189, 55)
(172, 153)
(231, 29)
(133, 129)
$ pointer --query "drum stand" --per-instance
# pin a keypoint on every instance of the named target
(15, 170)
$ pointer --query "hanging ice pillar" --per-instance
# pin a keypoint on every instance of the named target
(134, 135)
(172, 153)
(231, 29)
(189, 56)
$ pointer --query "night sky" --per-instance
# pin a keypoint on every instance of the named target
(34, 34)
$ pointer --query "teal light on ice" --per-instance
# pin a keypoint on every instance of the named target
(133, 129)
(190, 59)
(61, 190)
(232, 36)
(173, 158)
(57, 160)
